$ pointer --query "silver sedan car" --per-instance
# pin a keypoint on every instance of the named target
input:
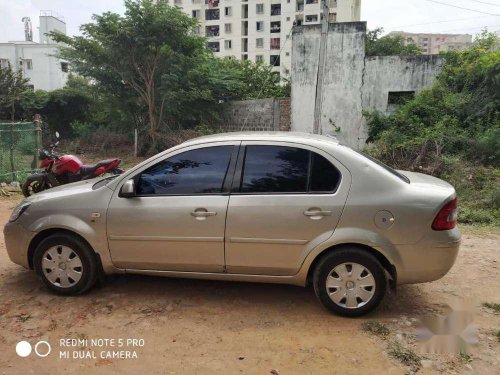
(285, 208)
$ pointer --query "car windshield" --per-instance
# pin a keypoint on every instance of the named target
(386, 167)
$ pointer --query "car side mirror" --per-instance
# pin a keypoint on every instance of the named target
(128, 189)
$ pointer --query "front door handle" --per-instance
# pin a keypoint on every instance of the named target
(316, 213)
(202, 213)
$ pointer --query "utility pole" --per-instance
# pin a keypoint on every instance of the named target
(321, 68)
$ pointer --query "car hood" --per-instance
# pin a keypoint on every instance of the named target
(64, 190)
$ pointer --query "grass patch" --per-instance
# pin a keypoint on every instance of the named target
(464, 356)
(375, 328)
(404, 355)
(497, 335)
(494, 306)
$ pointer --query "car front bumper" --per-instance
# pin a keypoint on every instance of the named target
(17, 239)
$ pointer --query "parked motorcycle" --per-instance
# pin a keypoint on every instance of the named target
(64, 169)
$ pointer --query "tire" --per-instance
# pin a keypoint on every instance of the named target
(74, 261)
(349, 292)
(36, 183)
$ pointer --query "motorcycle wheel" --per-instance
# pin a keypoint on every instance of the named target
(33, 185)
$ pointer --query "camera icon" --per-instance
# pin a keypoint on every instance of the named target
(24, 349)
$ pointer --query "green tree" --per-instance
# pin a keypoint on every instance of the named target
(152, 51)
(375, 45)
(12, 88)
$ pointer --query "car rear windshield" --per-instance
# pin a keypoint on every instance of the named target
(386, 167)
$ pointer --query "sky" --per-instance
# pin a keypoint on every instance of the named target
(407, 15)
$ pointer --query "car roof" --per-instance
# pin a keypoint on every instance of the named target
(263, 136)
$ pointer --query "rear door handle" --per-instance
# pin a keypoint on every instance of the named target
(202, 213)
(317, 212)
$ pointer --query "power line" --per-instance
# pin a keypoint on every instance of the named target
(459, 7)
(435, 22)
(484, 2)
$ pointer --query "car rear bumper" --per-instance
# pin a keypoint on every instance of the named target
(429, 259)
(16, 243)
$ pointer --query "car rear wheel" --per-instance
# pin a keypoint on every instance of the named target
(66, 264)
(349, 281)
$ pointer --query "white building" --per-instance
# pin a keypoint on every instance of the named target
(258, 30)
(37, 60)
(432, 44)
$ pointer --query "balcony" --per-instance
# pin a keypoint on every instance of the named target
(212, 31)
(275, 43)
(275, 9)
(276, 27)
(212, 14)
(212, 3)
(213, 46)
(274, 60)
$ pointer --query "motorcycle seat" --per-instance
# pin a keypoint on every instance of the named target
(89, 169)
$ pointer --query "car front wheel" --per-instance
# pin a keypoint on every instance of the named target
(349, 281)
(66, 264)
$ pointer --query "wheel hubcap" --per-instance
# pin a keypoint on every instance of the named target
(62, 266)
(350, 285)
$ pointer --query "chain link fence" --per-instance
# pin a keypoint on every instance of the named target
(19, 149)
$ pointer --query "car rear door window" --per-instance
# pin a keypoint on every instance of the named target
(324, 176)
(281, 169)
(275, 169)
(200, 171)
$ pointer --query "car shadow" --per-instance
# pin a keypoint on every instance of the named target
(150, 291)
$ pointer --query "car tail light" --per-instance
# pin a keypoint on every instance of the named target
(447, 217)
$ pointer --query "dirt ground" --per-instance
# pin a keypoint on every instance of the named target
(205, 327)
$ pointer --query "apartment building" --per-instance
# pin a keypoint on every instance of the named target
(38, 61)
(260, 30)
(432, 44)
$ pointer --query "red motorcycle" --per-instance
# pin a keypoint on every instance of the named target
(64, 169)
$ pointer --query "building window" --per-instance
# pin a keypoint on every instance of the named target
(333, 3)
(212, 14)
(228, 44)
(211, 31)
(213, 46)
(275, 9)
(287, 53)
(197, 30)
(28, 63)
(300, 5)
(228, 11)
(259, 8)
(275, 43)
(227, 28)
(259, 42)
(244, 57)
(311, 1)
(196, 13)
(64, 67)
(259, 58)
(276, 27)
(274, 60)
(288, 18)
(177, 2)
(4, 63)
(311, 18)
(332, 17)
(260, 25)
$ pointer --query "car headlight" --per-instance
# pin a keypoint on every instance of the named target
(19, 210)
